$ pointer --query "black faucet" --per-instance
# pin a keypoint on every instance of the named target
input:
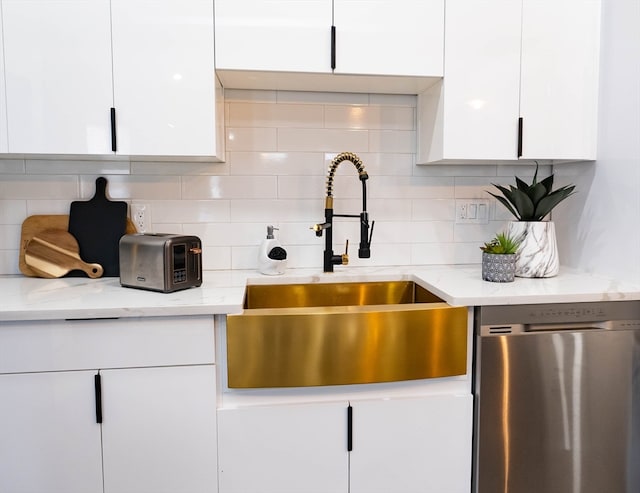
(364, 250)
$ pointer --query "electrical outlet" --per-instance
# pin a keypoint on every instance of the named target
(472, 211)
(141, 217)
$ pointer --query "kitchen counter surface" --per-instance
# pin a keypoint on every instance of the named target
(222, 292)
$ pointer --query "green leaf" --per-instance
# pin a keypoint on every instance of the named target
(504, 202)
(522, 203)
(550, 201)
(548, 183)
(536, 192)
(522, 185)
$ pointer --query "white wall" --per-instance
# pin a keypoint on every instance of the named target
(279, 147)
(601, 224)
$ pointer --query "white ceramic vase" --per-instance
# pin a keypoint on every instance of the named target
(538, 251)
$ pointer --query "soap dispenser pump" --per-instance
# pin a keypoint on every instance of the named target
(272, 258)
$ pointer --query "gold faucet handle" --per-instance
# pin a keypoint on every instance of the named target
(345, 255)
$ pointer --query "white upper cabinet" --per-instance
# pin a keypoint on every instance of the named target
(164, 77)
(69, 63)
(559, 78)
(278, 44)
(58, 76)
(274, 35)
(393, 37)
(531, 64)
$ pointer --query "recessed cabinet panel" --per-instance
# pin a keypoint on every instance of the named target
(559, 82)
(159, 429)
(50, 440)
(58, 76)
(390, 37)
(164, 77)
(286, 449)
(273, 35)
(412, 445)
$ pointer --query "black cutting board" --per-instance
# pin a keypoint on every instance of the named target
(98, 224)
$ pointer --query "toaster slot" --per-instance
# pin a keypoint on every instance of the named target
(196, 257)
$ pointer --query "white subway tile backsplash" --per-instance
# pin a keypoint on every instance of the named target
(393, 99)
(275, 115)
(10, 236)
(323, 140)
(12, 166)
(216, 258)
(279, 147)
(251, 139)
(392, 141)
(433, 209)
(274, 211)
(229, 187)
(38, 186)
(412, 187)
(257, 96)
(326, 98)
(75, 167)
(48, 206)
(190, 211)
(166, 168)
(370, 117)
(122, 187)
(12, 211)
(276, 163)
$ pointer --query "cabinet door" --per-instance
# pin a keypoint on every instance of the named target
(420, 445)
(164, 77)
(559, 78)
(284, 449)
(159, 429)
(49, 437)
(482, 79)
(389, 37)
(58, 76)
(274, 35)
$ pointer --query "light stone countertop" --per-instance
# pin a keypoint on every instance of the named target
(222, 292)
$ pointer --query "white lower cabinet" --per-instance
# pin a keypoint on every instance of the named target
(49, 438)
(297, 448)
(159, 430)
(412, 445)
(141, 418)
(420, 444)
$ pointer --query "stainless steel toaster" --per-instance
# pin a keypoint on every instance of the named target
(160, 262)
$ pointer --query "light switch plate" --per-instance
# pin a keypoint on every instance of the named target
(472, 211)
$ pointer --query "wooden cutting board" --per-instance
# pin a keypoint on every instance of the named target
(54, 253)
(33, 225)
(98, 224)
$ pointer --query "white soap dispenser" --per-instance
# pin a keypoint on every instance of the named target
(272, 258)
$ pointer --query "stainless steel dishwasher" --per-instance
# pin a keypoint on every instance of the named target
(557, 390)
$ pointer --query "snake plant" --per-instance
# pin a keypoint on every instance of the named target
(532, 202)
(502, 243)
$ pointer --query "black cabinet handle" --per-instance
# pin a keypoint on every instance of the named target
(520, 121)
(114, 146)
(98, 391)
(349, 428)
(333, 47)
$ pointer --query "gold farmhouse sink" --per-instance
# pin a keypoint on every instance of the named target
(298, 335)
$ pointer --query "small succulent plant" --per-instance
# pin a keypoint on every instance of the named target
(502, 243)
(532, 202)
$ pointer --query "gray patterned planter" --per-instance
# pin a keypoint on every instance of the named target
(498, 267)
